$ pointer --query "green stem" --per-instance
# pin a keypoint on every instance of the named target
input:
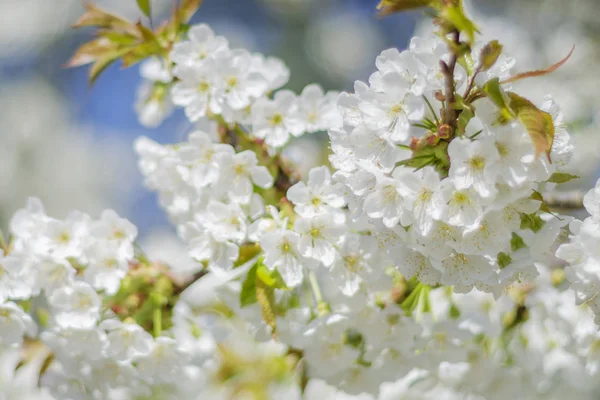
(157, 322)
(314, 285)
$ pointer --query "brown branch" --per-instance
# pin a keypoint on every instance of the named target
(572, 200)
(450, 113)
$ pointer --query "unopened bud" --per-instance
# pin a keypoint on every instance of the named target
(414, 143)
(439, 96)
(490, 54)
(432, 139)
(444, 131)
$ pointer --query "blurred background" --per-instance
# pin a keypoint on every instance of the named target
(72, 146)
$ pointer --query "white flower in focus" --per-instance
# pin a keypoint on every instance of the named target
(225, 222)
(474, 164)
(202, 44)
(318, 236)
(319, 195)
(238, 85)
(272, 69)
(196, 89)
(391, 113)
(201, 154)
(66, 238)
(317, 109)
(239, 171)
(274, 120)
(462, 207)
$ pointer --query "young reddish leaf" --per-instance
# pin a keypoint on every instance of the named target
(95, 16)
(540, 72)
(90, 52)
(145, 6)
(538, 123)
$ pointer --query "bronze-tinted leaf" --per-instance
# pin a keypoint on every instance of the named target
(102, 63)
(540, 72)
(539, 124)
(90, 52)
(95, 16)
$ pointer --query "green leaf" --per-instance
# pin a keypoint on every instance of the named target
(146, 7)
(538, 196)
(490, 54)
(466, 115)
(248, 292)
(532, 221)
(539, 124)
(495, 93)
(271, 278)
(140, 52)
(101, 64)
(146, 33)
(454, 312)
(265, 295)
(540, 72)
(503, 260)
(454, 14)
(561, 177)
(516, 242)
(95, 16)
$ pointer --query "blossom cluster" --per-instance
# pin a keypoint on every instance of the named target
(208, 77)
(462, 213)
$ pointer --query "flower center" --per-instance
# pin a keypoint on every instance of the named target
(203, 87)
(276, 119)
(477, 163)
